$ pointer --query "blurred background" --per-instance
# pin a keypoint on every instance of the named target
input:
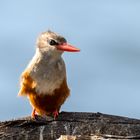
(103, 77)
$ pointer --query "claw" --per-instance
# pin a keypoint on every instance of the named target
(55, 114)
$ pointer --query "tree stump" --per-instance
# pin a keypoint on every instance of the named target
(71, 126)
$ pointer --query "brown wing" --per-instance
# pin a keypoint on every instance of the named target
(27, 85)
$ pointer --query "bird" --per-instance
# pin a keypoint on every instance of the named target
(44, 80)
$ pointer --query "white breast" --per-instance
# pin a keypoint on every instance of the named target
(47, 72)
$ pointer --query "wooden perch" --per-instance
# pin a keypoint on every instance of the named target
(71, 126)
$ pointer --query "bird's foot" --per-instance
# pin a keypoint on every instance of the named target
(33, 114)
(36, 116)
(55, 114)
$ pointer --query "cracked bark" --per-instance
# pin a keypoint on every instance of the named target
(71, 126)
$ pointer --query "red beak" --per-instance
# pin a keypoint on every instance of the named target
(67, 47)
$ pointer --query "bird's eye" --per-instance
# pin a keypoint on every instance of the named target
(53, 42)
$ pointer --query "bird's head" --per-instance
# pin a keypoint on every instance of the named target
(50, 42)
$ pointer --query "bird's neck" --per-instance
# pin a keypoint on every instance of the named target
(47, 57)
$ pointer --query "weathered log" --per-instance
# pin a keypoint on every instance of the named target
(73, 124)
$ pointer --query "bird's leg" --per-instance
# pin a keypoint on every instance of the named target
(55, 114)
(33, 114)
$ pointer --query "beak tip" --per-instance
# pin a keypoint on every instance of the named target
(78, 50)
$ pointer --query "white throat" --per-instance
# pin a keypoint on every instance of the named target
(48, 71)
